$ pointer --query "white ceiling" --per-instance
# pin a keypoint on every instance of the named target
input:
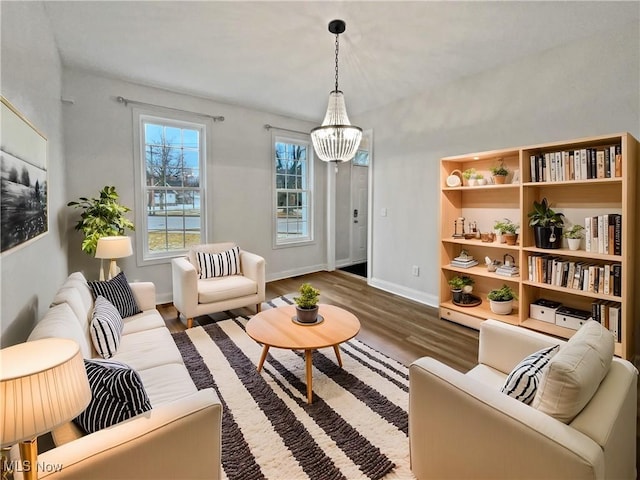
(279, 56)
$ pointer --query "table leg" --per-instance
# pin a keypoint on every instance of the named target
(265, 350)
(309, 362)
(336, 348)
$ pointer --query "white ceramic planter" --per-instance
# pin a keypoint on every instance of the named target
(501, 308)
(574, 243)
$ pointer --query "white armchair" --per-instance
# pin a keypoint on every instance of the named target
(462, 426)
(194, 296)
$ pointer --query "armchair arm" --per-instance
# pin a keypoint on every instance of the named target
(503, 346)
(180, 439)
(145, 294)
(461, 428)
(185, 286)
(253, 267)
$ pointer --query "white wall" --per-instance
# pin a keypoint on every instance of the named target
(98, 134)
(31, 81)
(589, 87)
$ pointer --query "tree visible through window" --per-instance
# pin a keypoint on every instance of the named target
(293, 192)
(172, 192)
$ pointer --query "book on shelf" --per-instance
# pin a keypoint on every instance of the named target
(578, 164)
(603, 234)
(511, 271)
(608, 314)
(464, 262)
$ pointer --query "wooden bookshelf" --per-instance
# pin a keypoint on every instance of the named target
(576, 198)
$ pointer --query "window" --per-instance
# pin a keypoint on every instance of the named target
(171, 193)
(293, 161)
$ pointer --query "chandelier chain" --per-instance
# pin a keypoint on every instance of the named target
(337, 48)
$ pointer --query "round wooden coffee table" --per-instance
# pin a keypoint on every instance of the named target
(275, 328)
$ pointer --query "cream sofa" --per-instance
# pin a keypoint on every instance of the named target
(462, 426)
(193, 296)
(180, 437)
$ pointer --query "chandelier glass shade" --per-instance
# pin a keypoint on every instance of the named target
(336, 140)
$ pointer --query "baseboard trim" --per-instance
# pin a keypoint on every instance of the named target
(296, 272)
(405, 292)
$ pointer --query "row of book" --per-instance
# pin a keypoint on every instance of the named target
(581, 164)
(603, 234)
(609, 315)
(584, 276)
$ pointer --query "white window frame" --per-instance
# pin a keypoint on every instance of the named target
(309, 238)
(140, 117)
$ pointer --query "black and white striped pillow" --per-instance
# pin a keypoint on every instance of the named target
(522, 382)
(106, 327)
(117, 394)
(219, 264)
(118, 292)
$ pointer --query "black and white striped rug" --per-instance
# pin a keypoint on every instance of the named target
(356, 428)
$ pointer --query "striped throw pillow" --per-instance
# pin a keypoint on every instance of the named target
(522, 382)
(106, 327)
(117, 394)
(219, 264)
(118, 292)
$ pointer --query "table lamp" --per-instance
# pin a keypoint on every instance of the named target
(43, 384)
(112, 248)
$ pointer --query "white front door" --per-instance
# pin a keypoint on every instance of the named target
(359, 212)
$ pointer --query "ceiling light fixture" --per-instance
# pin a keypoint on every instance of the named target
(336, 140)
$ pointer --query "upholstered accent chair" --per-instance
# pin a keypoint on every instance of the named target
(215, 277)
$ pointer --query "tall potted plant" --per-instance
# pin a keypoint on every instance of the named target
(547, 225)
(307, 303)
(101, 217)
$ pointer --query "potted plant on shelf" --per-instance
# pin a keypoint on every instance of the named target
(307, 303)
(460, 285)
(499, 174)
(506, 231)
(101, 217)
(547, 225)
(480, 180)
(470, 176)
(574, 236)
(501, 300)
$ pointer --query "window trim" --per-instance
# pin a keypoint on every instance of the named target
(140, 116)
(310, 238)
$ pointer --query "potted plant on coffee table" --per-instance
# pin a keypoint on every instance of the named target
(501, 300)
(547, 225)
(574, 236)
(307, 303)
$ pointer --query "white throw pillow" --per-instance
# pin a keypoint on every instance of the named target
(575, 373)
(522, 382)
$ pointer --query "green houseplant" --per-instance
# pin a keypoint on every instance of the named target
(506, 231)
(574, 236)
(501, 300)
(101, 217)
(547, 225)
(307, 303)
(499, 173)
(470, 176)
(459, 285)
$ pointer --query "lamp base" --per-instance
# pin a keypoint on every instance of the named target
(29, 457)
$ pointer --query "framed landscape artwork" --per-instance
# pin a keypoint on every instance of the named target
(23, 180)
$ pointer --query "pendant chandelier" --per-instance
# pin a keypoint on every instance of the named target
(336, 140)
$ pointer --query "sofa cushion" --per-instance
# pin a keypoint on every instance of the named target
(522, 382)
(147, 320)
(117, 394)
(575, 373)
(59, 321)
(72, 296)
(106, 327)
(118, 292)
(147, 349)
(223, 288)
(219, 264)
(76, 280)
(167, 383)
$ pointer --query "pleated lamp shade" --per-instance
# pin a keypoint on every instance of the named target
(43, 384)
